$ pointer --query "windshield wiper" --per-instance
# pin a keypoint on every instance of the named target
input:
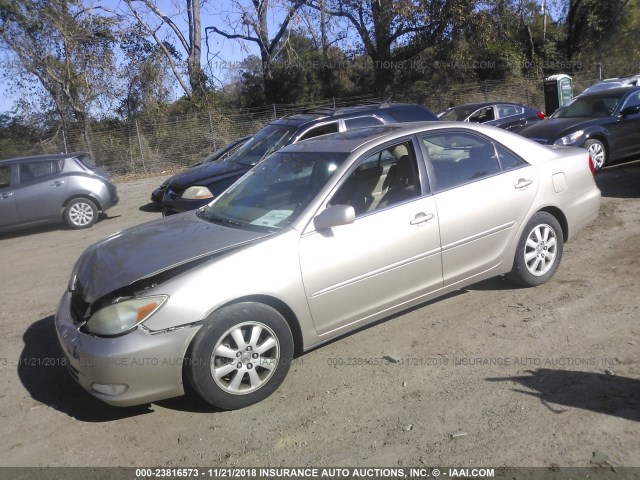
(205, 214)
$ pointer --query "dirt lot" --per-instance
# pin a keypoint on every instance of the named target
(533, 377)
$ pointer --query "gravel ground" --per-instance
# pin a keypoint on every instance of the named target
(492, 375)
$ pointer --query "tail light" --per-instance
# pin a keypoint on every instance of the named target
(592, 166)
(540, 115)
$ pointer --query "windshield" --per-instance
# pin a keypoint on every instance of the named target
(273, 194)
(223, 153)
(600, 106)
(268, 140)
(457, 114)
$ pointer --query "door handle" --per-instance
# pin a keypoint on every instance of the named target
(57, 183)
(421, 218)
(522, 183)
(6, 195)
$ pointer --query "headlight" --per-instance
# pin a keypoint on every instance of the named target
(120, 317)
(569, 139)
(196, 193)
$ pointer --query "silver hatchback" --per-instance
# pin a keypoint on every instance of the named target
(51, 188)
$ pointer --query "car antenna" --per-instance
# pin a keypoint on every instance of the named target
(385, 103)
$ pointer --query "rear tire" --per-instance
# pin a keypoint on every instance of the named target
(598, 153)
(240, 356)
(539, 251)
(80, 213)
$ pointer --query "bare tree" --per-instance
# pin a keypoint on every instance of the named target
(194, 85)
(253, 27)
(66, 47)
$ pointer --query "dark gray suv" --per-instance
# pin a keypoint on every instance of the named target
(198, 186)
(50, 188)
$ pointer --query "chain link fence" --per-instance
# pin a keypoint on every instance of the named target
(143, 147)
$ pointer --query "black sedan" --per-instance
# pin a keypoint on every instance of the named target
(510, 116)
(217, 156)
(607, 123)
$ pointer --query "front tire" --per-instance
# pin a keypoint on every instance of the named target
(598, 153)
(80, 213)
(539, 251)
(240, 356)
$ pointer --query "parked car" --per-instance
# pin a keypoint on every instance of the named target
(606, 123)
(217, 156)
(319, 239)
(52, 188)
(510, 116)
(197, 187)
(609, 83)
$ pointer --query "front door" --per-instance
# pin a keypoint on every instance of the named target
(388, 256)
(8, 213)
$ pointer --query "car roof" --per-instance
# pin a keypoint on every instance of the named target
(609, 91)
(352, 140)
(319, 114)
(345, 142)
(42, 158)
(483, 104)
(628, 78)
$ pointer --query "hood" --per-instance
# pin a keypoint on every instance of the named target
(151, 248)
(206, 174)
(553, 128)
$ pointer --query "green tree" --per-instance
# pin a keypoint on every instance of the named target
(589, 22)
(69, 50)
(146, 76)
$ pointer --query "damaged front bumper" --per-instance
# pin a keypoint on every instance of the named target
(132, 369)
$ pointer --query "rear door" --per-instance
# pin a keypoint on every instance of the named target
(41, 190)
(8, 213)
(388, 256)
(511, 117)
(482, 192)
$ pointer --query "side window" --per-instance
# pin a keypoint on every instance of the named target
(508, 110)
(483, 115)
(362, 122)
(5, 176)
(381, 180)
(321, 130)
(633, 100)
(56, 166)
(34, 170)
(460, 158)
(508, 161)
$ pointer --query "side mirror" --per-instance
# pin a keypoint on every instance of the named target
(334, 216)
(630, 111)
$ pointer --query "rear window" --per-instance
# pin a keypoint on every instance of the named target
(361, 122)
(411, 114)
(86, 160)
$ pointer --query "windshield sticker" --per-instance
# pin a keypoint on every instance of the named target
(273, 218)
